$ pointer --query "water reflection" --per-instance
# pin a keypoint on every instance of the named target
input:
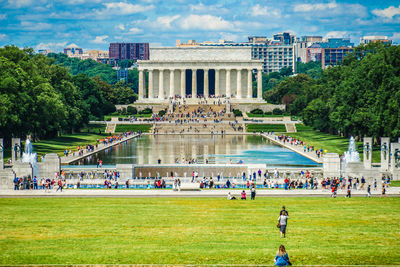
(214, 149)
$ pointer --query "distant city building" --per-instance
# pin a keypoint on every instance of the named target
(44, 51)
(285, 38)
(375, 39)
(330, 53)
(258, 39)
(73, 50)
(188, 44)
(301, 46)
(133, 51)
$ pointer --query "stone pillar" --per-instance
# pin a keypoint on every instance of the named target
(161, 84)
(194, 83)
(217, 82)
(150, 95)
(228, 83)
(15, 149)
(206, 93)
(140, 84)
(385, 152)
(331, 165)
(183, 83)
(171, 83)
(249, 84)
(395, 157)
(367, 152)
(239, 83)
(1, 154)
(259, 83)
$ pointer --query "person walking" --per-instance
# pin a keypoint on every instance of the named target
(284, 210)
(282, 258)
(282, 223)
(383, 191)
(369, 191)
(348, 191)
(60, 185)
(253, 193)
(243, 195)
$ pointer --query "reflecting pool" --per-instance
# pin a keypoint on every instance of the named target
(169, 149)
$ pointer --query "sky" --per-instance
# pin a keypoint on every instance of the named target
(93, 24)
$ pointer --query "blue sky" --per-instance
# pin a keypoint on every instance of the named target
(93, 24)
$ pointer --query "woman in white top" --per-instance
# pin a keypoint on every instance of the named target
(283, 222)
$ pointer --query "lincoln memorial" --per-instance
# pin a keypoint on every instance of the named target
(200, 72)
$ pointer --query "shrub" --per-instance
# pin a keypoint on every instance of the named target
(161, 113)
(131, 110)
(277, 111)
(268, 113)
(237, 113)
(257, 111)
(146, 111)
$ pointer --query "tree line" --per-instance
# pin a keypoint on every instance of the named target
(361, 97)
(41, 98)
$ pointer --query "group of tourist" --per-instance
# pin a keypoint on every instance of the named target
(29, 183)
(296, 142)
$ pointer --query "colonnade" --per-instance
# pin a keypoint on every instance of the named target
(166, 83)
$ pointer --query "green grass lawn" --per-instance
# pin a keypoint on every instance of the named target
(395, 183)
(67, 141)
(265, 127)
(134, 128)
(321, 231)
(251, 115)
(329, 142)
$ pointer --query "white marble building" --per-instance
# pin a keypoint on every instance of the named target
(194, 72)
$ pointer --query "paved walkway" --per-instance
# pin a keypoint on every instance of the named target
(100, 147)
(298, 149)
(391, 192)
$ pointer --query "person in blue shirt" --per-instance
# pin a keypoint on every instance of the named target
(282, 258)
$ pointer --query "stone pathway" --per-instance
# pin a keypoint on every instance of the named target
(391, 192)
(298, 149)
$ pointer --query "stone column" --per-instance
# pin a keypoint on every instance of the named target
(150, 95)
(15, 149)
(206, 93)
(228, 83)
(367, 151)
(395, 152)
(183, 83)
(239, 83)
(259, 83)
(1, 154)
(249, 84)
(171, 83)
(194, 83)
(161, 84)
(385, 152)
(140, 84)
(217, 82)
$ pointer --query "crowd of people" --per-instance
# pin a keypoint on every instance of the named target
(296, 142)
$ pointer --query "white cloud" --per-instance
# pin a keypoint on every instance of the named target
(3, 36)
(122, 8)
(19, 3)
(396, 36)
(201, 8)
(258, 10)
(314, 7)
(161, 23)
(387, 13)
(100, 39)
(205, 22)
(55, 47)
(121, 27)
(337, 34)
(135, 30)
(35, 26)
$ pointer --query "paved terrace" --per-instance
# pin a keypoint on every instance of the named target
(391, 192)
(298, 149)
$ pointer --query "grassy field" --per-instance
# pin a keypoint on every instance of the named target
(68, 141)
(134, 128)
(332, 143)
(251, 115)
(265, 127)
(395, 183)
(321, 231)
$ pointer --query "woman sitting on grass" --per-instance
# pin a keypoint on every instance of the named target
(282, 258)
